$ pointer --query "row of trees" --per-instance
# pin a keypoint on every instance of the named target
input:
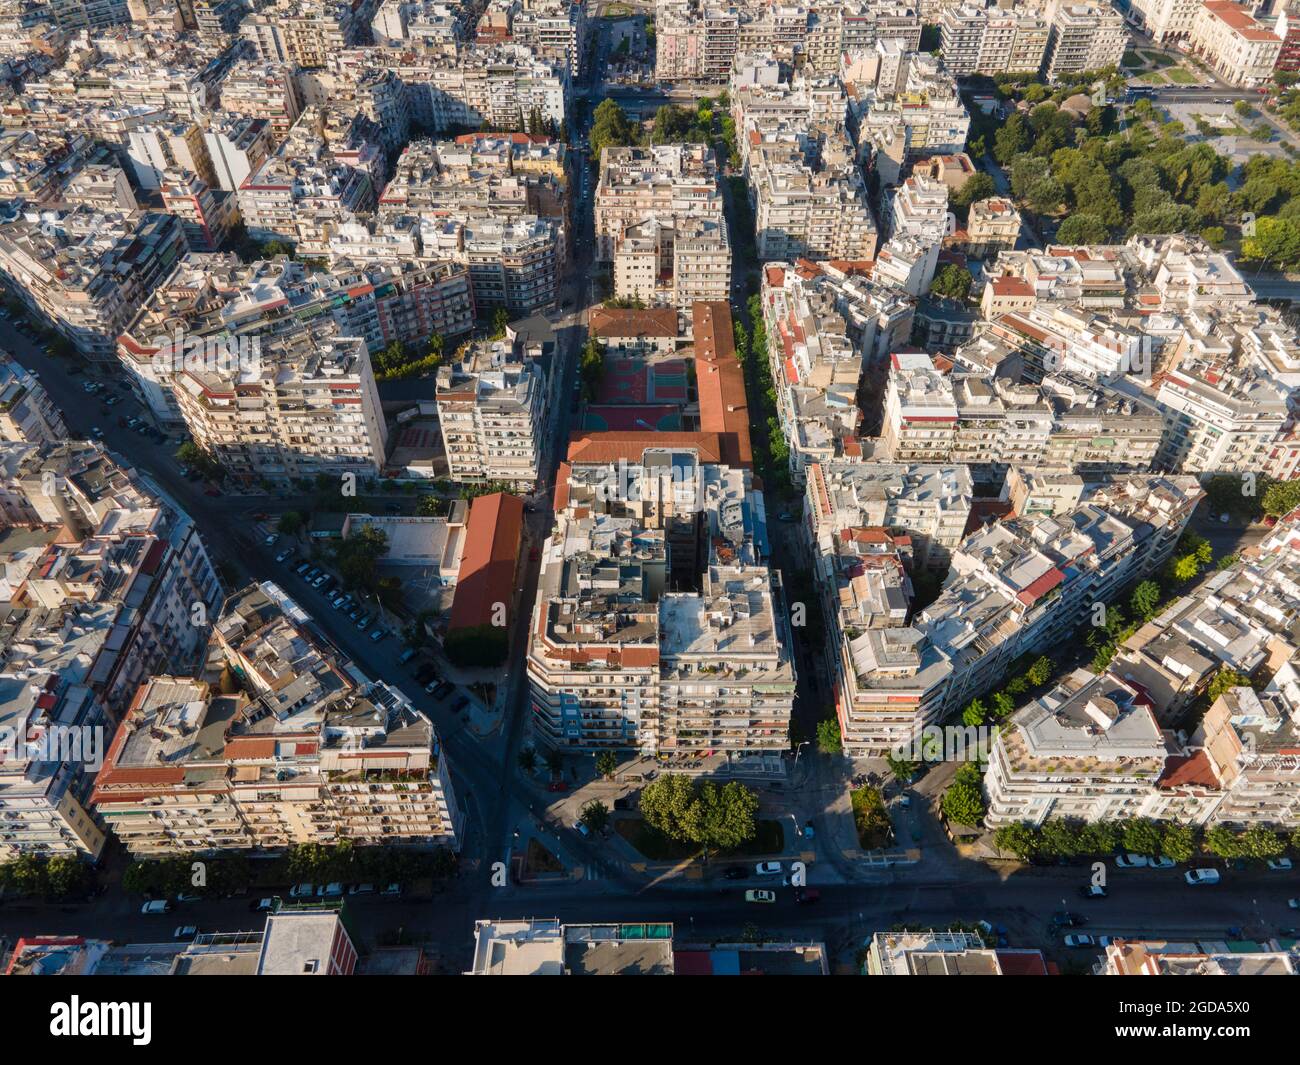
(1060, 838)
(54, 879)
(1252, 496)
(771, 453)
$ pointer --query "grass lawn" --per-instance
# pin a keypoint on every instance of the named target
(1152, 78)
(769, 839)
(1157, 59)
(1132, 59)
(871, 818)
(1179, 76)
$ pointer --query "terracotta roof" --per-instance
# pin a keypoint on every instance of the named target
(1183, 771)
(614, 322)
(487, 566)
(612, 446)
(720, 381)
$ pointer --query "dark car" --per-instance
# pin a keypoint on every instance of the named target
(1092, 891)
(443, 690)
(807, 896)
(736, 872)
(622, 804)
(460, 704)
(1065, 919)
(425, 674)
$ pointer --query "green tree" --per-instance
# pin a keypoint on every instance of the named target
(1040, 672)
(606, 764)
(357, 557)
(975, 714)
(1003, 706)
(1261, 842)
(1082, 228)
(527, 759)
(963, 801)
(666, 805)
(595, 815)
(1144, 600)
(290, 523)
(903, 769)
(1222, 842)
(979, 186)
(1224, 680)
(67, 877)
(1177, 841)
(952, 281)
(726, 816)
(1016, 838)
(1059, 838)
(828, 736)
(1099, 838)
(1280, 498)
(1142, 836)
(610, 128)
(1011, 139)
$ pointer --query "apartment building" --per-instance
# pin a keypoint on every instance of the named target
(27, 414)
(1095, 429)
(491, 407)
(676, 264)
(664, 183)
(553, 29)
(823, 327)
(989, 41)
(659, 624)
(302, 405)
(237, 145)
(1015, 588)
(301, 34)
(84, 273)
(920, 411)
(225, 310)
(1084, 36)
(1239, 49)
(919, 208)
(263, 90)
(1165, 20)
(156, 148)
(992, 226)
(117, 592)
(305, 749)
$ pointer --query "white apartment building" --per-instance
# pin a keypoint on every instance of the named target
(27, 414)
(978, 40)
(1239, 49)
(1165, 20)
(1084, 36)
(304, 404)
(491, 407)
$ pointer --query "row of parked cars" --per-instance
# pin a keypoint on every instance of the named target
(320, 578)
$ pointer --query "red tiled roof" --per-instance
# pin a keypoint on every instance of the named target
(614, 322)
(487, 566)
(1183, 771)
(720, 381)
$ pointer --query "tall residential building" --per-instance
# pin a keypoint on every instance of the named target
(27, 414)
(1165, 20)
(977, 40)
(298, 405)
(1084, 36)
(492, 406)
(279, 742)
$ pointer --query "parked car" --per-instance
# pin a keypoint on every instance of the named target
(156, 906)
(378, 634)
(393, 891)
(311, 574)
(582, 828)
(97, 433)
(262, 905)
(768, 869)
(735, 872)
(189, 896)
(1201, 876)
(1280, 865)
(443, 690)
(758, 895)
(330, 891)
(807, 896)
(1092, 891)
(1132, 861)
(1163, 863)
(1066, 919)
(406, 656)
(302, 568)
(320, 580)
(301, 891)
(1080, 940)
(623, 804)
(271, 539)
(808, 831)
(1293, 903)
(185, 932)
(361, 889)
(284, 554)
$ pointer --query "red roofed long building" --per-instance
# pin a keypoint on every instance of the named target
(487, 566)
(1240, 50)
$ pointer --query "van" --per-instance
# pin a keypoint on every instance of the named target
(156, 906)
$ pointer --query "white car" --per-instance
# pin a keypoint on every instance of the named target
(1280, 865)
(185, 931)
(756, 895)
(1201, 876)
(270, 540)
(1132, 861)
(582, 828)
(1163, 863)
(1293, 903)
(1079, 939)
(301, 891)
(768, 869)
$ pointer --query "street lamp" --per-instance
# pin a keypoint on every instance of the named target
(799, 750)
